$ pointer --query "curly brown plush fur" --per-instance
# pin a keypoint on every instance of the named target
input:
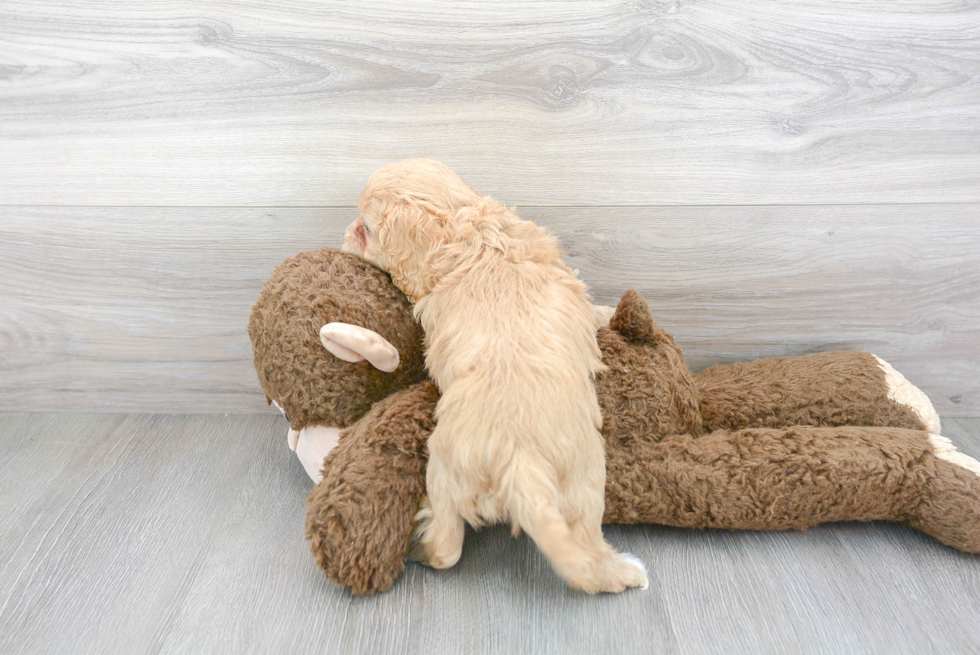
(369, 519)
(308, 291)
(775, 444)
(800, 391)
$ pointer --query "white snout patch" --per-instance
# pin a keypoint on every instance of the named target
(312, 444)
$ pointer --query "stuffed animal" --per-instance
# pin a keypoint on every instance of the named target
(783, 443)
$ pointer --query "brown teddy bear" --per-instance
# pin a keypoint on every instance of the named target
(783, 443)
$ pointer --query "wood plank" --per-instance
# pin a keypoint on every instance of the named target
(736, 283)
(137, 309)
(270, 595)
(540, 103)
(103, 302)
(184, 533)
(35, 451)
(111, 549)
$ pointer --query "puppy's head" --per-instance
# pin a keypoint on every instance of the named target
(407, 214)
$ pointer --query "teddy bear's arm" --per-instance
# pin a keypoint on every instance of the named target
(360, 517)
(794, 478)
(826, 389)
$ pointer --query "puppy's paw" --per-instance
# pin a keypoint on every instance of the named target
(639, 578)
(621, 572)
(416, 549)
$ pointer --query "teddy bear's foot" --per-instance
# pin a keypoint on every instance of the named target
(951, 511)
(944, 449)
(903, 392)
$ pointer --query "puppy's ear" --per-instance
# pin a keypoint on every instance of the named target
(432, 222)
(417, 224)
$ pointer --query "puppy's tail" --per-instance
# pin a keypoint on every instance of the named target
(577, 551)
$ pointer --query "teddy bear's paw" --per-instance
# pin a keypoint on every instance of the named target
(950, 508)
(903, 392)
(945, 450)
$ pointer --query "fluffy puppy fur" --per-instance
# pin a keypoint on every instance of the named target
(511, 342)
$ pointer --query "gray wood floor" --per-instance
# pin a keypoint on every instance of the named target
(184, 533)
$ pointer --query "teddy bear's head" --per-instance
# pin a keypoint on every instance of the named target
(331, 336)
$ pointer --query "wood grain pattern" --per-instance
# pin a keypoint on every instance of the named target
(35, 452)
(184, 534)
(735, 283)
(826, 157)
(115, 540)
(171, 102)
(126, 309)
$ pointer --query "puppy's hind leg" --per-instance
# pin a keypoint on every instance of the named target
(440, 528)
(582, 558)
(616, 571)
(582, 506)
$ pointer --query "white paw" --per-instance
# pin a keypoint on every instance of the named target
(944, 449)
(904, 392)
(423, 518)
(635, 561)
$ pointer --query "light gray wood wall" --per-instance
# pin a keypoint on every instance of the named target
(776, 177)
(217, 102)
(128, 308)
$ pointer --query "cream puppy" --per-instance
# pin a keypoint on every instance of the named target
(510, 340)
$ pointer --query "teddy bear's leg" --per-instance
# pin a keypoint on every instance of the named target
(795, 478)
(950, 511)
(827, 389)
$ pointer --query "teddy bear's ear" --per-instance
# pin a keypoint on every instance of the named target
(633, 319)
(353, 343)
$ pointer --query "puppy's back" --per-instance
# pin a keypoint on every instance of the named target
(513, 349)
